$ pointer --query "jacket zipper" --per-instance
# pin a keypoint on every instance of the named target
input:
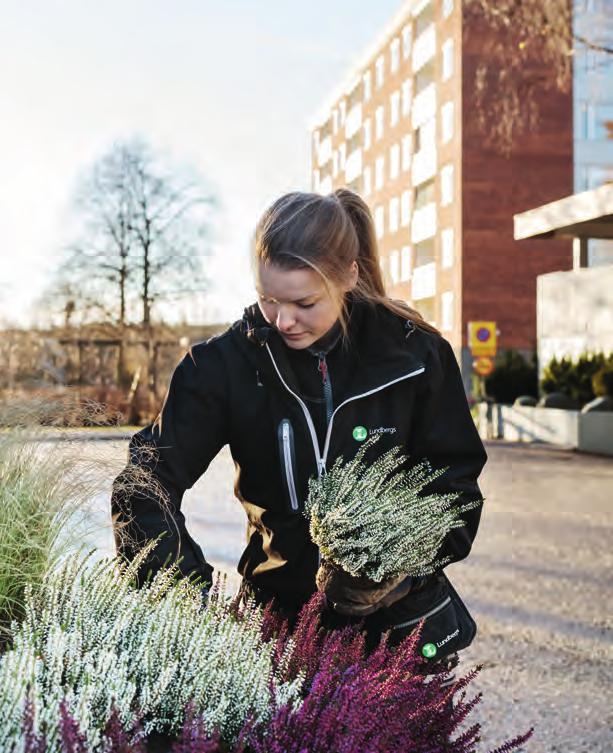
(286, 442)
(434, 610)
(327, 385)
(319, 458)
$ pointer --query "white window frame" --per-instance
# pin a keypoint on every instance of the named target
(394, 214)
(407, 39)
(394, 161)
(447, 248)
(379, 71)
(405, 208)
(447, 122)
(379, 215)
(394, 55)
(406, 90)
(447, 59)
(379, 122)
(394, 107)
(367, 86)
(367, 134)
(379, 172)
(447, 311)
(447, 177)
(405, 263)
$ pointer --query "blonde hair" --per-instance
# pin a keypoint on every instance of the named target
(328, 233)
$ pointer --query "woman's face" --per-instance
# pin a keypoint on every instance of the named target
(297, 304)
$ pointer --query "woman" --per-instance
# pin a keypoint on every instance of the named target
(323, 360)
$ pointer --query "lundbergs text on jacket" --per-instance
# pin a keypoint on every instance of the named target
(239, 389)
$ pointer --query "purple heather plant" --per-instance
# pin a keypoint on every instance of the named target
(32, 742)
(357, 702)
(117, 739)
(193, 737)
(72, 739)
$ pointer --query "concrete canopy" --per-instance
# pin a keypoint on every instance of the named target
(582, 215)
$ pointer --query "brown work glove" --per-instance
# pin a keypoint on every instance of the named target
(360, 596)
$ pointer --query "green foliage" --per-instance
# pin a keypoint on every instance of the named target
(577, 379)
(513, 376)
(372, 520)
(602, 381)
(92, 640)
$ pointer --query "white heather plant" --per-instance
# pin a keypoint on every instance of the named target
(372, 519)
(90, 637)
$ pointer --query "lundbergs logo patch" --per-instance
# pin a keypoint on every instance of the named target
(383, 430)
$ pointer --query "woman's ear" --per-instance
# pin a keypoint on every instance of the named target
(353, 276)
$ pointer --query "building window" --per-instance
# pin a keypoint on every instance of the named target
(394, 214)
(406, 151)
(424, 194)
(447, 248)
(367, 134)
(367, 80)
(367, 181)
(394, 108)
(447, 71)
(379, 115)
(334, 163)
(379, 221)
(406, 96)
(394, 55)
(405, 208)
(394, 266)
(406, 41)
(425, 136)
(446, 185)
(447, 8)
(334, 121)
(405, 263)
(447, 311)
(379, 172)
(342, 156)
(447, 122)
(379, 71)
(394, 161)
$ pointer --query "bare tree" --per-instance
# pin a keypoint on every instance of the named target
(531, 50)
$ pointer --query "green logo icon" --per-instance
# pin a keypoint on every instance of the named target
(360, 433)
(429, 650)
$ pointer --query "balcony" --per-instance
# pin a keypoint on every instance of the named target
(353, 121)
(424, 105)
(423, 281)
(423, 223)
(353, 165)
(424, 48)
(325, 151)
(423, 166)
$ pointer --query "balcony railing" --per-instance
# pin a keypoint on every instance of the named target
(424, 47)
(353, 121)
(423, 281)
(423, 223)
(353, 165)
(324, 153)
(424, 105)
(423, 166)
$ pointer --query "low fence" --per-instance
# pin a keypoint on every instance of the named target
(586, 432)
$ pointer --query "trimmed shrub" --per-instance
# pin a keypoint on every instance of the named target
(513, 376)
(577, 379)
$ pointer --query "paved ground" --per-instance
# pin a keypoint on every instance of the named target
(538, 582)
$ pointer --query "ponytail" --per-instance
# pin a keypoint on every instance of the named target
(370, 286)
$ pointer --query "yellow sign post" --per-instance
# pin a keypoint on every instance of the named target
(482, 339)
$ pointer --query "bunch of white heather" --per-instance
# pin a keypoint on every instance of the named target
(91, 638)
(373, 521)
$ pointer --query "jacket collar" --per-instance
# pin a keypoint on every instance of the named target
(382, 342)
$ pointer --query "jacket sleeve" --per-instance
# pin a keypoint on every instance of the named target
(166, 458)
(446, 435)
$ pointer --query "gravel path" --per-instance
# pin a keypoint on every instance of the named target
(538, 582)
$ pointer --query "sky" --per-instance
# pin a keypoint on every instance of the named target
(228, 88)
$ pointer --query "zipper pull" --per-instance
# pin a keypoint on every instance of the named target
(322, 367)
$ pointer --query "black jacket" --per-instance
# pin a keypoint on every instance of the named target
(240, 389)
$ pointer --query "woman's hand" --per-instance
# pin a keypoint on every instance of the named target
(360, 596)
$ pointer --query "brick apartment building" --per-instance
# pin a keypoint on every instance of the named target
(401, 131)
